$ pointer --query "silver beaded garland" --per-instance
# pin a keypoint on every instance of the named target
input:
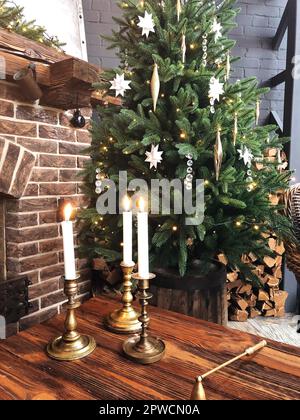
(204, 49)
(188, 182)
(98, 182)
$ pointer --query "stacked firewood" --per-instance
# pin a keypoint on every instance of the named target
(245, 300)
(248, 301)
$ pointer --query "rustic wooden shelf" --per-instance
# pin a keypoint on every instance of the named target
(193, 348)
(66, 81)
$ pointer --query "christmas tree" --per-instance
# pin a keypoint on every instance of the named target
(180, 117)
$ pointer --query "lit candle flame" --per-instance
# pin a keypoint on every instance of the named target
(142, 205)
(68, 210)
(126, 203)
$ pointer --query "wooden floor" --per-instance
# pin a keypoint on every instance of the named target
(283, 330)
(193, 347)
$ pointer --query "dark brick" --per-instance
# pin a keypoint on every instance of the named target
(56, 133)
(83, 136)
(51, 245)
(48, 217)
(41, 146)
(21, 250)
(33, 113)
(44, 175)
(31, 234)
(18, 220)
(32, 190)
(6, 109)
(50, 161)
(33, 204)
(43, 289)
(59, 189)
(18, 128)
(67, 175)
(52, 272)
(53, 299)
(71, 149)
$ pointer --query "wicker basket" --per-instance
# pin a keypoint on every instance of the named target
(292, 208)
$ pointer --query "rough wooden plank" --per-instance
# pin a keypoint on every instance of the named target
(28, 48)
(193, 347)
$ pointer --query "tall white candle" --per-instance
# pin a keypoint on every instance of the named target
(127, 232)
(68, 240)
(143, 241)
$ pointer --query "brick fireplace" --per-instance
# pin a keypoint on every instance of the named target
(40, 161)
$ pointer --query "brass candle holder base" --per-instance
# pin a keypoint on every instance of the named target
(126, 319)
(71, 345)
(144, 349)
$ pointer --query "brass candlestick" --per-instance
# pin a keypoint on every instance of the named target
(198, 393)
(126, 319)
(71, 345)
(144, 349)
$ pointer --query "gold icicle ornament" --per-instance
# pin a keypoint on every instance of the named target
(218, 154)
(235, 128)
(178, 9)
(155, 86)
(257, 112)
(228, 67)
(183, 48)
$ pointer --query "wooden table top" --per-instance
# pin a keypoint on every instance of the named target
(193, 347)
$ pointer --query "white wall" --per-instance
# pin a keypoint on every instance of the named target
(63, 18)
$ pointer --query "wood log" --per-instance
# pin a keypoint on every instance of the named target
(280, 298)
(232, 276)
(240, 302)
(270, 313)
(234, 285)
(280, 249)
(254, 313)
(266, 306)
(252, 300)
(272, 244)
(239, 316)
(278, 273)
(270, 262)
(263, 296)
(272, 281)
(245, 288)
(280, 313)
(253, 257)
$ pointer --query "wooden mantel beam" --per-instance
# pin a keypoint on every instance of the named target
(30, 49)
(66, 81)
